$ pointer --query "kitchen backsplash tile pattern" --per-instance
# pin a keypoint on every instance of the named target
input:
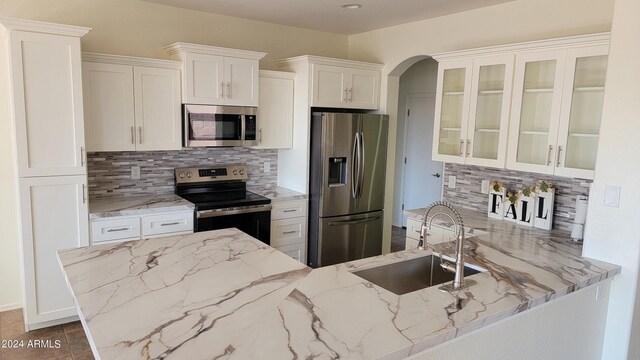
(469, 179)
(109, 173)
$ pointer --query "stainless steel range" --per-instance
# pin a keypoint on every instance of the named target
(222, 201)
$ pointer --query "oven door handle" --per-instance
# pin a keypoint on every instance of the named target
(213, 213)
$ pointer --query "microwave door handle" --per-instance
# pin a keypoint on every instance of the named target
(243, 124)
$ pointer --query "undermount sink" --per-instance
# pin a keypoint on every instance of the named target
(411, 275)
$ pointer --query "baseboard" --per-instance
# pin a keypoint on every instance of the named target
(7, 307)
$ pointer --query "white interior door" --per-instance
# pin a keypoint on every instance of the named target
(422, 176)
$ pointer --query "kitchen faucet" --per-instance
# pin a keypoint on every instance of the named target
(444, 208)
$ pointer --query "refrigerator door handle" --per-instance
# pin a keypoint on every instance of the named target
(361, 165)
(355, 166)
(352, 222)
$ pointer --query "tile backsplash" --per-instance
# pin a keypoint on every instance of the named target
(469, 179)
(109, 173)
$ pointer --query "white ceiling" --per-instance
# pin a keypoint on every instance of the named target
(328, 15)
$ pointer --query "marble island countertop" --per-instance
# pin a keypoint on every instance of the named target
(278, 194)
(223, 294)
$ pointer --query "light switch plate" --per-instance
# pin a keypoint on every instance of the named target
(484, 188)
(135, 172)
(612, 196)
(452, 182)
(267, 167)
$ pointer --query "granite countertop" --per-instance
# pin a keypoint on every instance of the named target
(278, 194)
(136, 205)
(224, 294)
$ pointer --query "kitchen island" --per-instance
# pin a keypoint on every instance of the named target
(223, 294)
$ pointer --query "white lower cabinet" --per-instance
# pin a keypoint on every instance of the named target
(289, 228)
(54, 217)
(125, 228)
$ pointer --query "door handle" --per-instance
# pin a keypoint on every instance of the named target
(558, 155)
(229, 90)
(352, 222)
(437, 175)
(140, 134)
(222, 89)
(354, 166)
(350, 95)
(461, 147)
(345, 95)
(361, 164)
(133, 135)
(549, 155)
(468, 147)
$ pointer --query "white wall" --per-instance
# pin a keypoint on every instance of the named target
(140, 28)
(10, 290)
(612, 233)
(420, 78)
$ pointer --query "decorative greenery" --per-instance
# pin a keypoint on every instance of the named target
(544, 186)
(527, 191)
(497, 186)
(513, 197)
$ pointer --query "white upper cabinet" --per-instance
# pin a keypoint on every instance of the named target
(275, 112)
(557, 110)
(131, 103)
(218, 76)
(472, 110)
(345, 87)
(47, 102)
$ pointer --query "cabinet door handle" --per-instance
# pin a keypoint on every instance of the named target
(81, 156)
(222, 89)
(558, 155)
(229, 90)
(140, 134)
(171, 223)
(118, 229)
(345, 95)
(133, 135)
(461, 147)
(289, 232)
(289, 210)
(549, 155)
(468, 147)
(84, 192)
(260, 135)
(350, 95)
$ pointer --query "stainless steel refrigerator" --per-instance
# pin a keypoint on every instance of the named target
(346, 186)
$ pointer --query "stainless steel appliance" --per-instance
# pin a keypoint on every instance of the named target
(222, 201)
(207, 125)
(347, 179)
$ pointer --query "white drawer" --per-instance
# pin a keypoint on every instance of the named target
(288, 209)
(434, 235)
(296, 251)
(166, 224)
(115, 229)
(288, 231)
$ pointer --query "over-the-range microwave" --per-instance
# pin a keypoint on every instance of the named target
(211, 125)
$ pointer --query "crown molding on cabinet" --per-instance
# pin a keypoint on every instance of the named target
(10, 24)
(131, 60)
(330, 61)
(278, 74)
(537, 45)
(181, 47)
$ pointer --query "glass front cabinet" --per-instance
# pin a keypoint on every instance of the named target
(472, 110)
(556, 113)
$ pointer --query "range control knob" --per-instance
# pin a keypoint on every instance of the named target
(181, 175)
(241, 172)
(235, 172)
(189, 175)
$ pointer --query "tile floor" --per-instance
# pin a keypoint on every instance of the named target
(398, 235)
(68, 341)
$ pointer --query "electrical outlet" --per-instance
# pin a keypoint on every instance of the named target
(452, 182)
(135, 172)
(484, 188)
(612, 196)
(267, 167)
